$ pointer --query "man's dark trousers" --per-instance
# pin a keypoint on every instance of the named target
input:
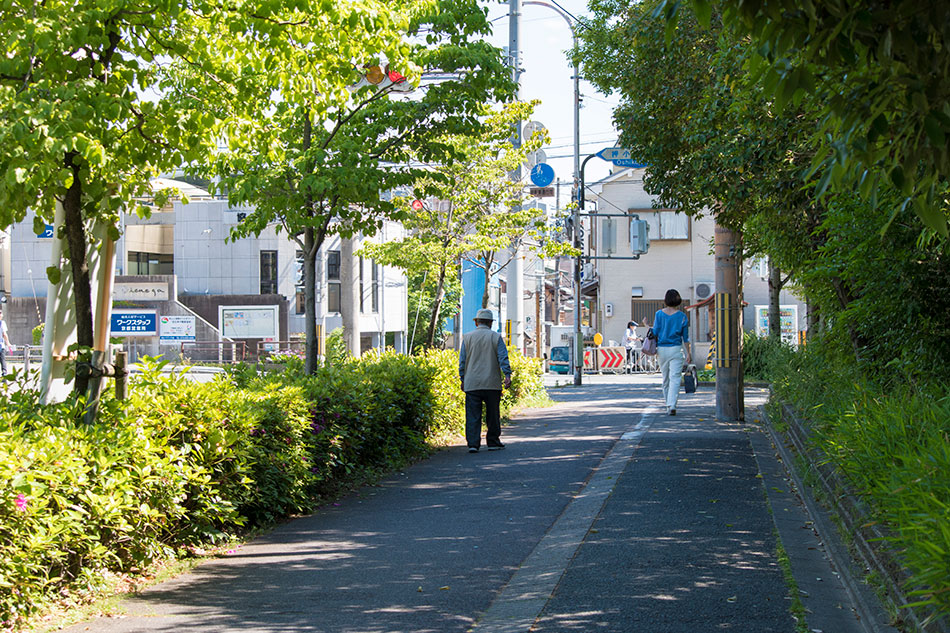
(473, 417)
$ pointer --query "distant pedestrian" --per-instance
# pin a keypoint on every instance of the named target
(482, 360)
(4, 344)
(672, 332)
(632, 343)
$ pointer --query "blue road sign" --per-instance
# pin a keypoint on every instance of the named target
(619, 156)
(542, 175)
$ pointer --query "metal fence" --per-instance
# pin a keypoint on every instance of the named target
(273, 351)
(214, 352)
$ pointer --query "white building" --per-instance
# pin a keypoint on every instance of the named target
(189, 242)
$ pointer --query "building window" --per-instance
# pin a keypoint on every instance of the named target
(333, 296)
(150, 264)
(362, 287)
(298, 282)
(333, 281)
(642, 311)
(333, 265)
(268, 272)
(665, 225)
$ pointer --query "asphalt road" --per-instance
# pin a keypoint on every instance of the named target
(603, 514)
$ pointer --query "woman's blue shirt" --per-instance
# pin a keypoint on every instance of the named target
(671, 330)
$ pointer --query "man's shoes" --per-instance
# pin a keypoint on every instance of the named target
(496, 447)
(472, 449)
(672, 411)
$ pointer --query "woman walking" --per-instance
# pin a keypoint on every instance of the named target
(672, 332)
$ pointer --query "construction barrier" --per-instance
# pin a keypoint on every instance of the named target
(611, 359)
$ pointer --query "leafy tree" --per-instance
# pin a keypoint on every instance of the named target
(96, 98)
(880, 74)
(469, 215)
(75, 125)
(320, 171)
(712, 139)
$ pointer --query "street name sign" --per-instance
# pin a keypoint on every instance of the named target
(541, 192)
(619, 156)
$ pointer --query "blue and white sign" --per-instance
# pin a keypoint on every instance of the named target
(542, 175)
(47, 232)
(619, 156)
(134, 322)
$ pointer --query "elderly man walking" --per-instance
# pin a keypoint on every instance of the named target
(482, 361)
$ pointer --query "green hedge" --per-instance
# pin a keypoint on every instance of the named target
(183, 463)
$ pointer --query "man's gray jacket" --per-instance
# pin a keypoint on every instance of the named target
(482, 359)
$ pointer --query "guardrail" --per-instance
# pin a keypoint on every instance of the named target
(26, 355)
(214, 352)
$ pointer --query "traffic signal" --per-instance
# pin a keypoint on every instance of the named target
(639, 237)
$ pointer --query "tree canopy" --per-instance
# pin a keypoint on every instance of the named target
(316, 171)
(878, 72)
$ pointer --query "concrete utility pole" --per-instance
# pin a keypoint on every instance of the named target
(515, 275)
(730, 404)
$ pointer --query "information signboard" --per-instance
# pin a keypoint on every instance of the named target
(134, 322)
(174, 329)
(249, 322)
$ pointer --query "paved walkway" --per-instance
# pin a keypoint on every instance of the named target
(603, 514)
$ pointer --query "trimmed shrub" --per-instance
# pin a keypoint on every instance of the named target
(181, 462)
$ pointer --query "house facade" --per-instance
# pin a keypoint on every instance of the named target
(680, 256)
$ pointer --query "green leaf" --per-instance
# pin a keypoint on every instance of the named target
(935, 131)
(897, 177)
(703, 11)
(54, 275)
(932, 216)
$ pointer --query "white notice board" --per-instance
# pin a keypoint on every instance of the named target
(249, 321)
(174, 329)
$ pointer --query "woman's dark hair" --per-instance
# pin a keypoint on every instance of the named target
(672, 298)
(631, 324)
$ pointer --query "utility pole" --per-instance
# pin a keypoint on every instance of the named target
(730, 404)
(350, 296)
(516, 270)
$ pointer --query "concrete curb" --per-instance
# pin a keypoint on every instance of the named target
(870, 549)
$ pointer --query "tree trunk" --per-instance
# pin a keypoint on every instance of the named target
(312, 347)
(350, 296)
(845, 297)
(436, 306)
(775, 291)
(76, 245)
(813, 319)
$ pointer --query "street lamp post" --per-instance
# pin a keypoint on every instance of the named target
(578, 348)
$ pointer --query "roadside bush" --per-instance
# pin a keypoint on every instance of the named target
(892, 447)
(182, 463)
(763, 356)
(448, 417)
(527, 380)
